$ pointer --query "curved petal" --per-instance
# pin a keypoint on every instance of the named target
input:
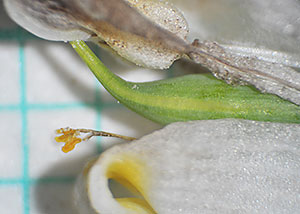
(221, 166)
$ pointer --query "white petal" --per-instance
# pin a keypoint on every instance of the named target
(221, 166)
(268, 24)
(20, 12)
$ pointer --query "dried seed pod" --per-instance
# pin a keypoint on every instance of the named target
(223, 166)
(146, 44)
(51, 20)
(150, 33)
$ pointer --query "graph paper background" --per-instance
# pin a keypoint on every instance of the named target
(45, 86)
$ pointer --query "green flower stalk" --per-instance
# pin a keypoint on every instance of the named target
(191, 97)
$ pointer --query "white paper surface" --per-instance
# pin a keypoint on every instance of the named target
(45, 86)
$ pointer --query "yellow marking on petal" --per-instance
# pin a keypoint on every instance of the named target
(133, 174)
(136, 204)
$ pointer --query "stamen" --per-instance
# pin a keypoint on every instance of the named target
(70, 137)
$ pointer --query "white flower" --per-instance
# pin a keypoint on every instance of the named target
(221, 166)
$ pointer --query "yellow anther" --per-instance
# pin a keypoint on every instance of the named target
(69, 137)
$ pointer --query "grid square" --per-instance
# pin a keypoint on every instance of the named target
(125, 122)
(11, 148)
(46, 158)
(52, 198)
(56, 74)
(11, 199)
(9, 75)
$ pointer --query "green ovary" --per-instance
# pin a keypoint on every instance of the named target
(191, 97)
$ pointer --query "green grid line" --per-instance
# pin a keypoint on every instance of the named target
(24, 128)
(21, 36)
(14, 34)
(35, 181)
(60, 106)
(11, 181)
(25, 181)
(9, 107)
